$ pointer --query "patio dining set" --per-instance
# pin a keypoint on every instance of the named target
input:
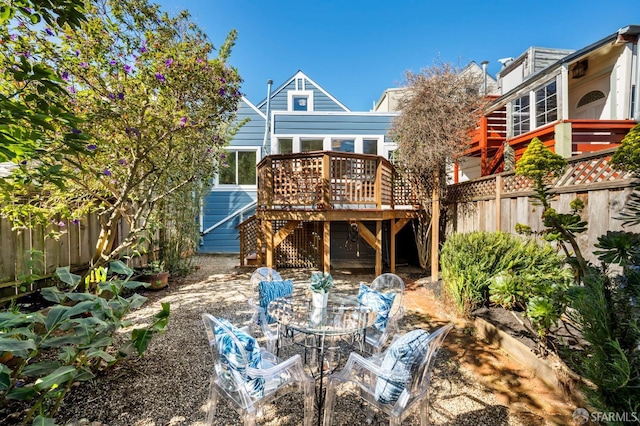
(388, 371)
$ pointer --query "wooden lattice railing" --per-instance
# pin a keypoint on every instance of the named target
(329, 180)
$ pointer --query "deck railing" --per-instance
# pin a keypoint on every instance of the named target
(330, 180)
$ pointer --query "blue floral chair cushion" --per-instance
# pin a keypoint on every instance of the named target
(401, 358)
(379, 302)
(232, 361)
(271, 290)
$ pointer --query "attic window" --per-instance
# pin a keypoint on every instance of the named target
(300, 100)
(592, 96)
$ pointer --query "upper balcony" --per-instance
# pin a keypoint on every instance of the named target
(330, 180)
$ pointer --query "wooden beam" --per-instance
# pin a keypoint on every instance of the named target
(284, 232)
(399, 225)
(366, 235)
(392, 247)
(326, 247)
(268, 236)
(378, 247)
(335, 215)
(435, 232)
(259, 255)
(375, 241)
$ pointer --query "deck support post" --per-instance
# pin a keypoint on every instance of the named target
(268, 235)
(435, 232)
(326, 246)
(378, 247)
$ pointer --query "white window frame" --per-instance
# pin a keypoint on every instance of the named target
(300, 93)
(227, 186)
(326, 146)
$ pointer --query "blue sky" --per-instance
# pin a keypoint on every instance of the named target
(355, 49)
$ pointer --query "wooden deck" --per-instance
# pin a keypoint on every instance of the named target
(322, 188)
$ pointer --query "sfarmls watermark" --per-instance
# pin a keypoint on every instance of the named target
(582, 416)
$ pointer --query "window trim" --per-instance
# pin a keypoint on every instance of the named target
(235, 150)
(300, 93)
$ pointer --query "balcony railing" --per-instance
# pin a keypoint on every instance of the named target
(330, 180)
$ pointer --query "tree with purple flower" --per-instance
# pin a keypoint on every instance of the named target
(150, 124)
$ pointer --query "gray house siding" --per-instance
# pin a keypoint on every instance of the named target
(217, 206)
(352, 124)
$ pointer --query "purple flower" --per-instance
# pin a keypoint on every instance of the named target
(168, 62)
(77, 52)
(23, 162)
(71, 89)
(127, 68)
(13, 37)
(113, 62)
(76, 221)
(208, 150)
(84, 65)
(223, 156)
(65, 75)
(222, 80)
(48, 31)
(111, 96)
(122, 162)
(160, 77)
(183, 121)
(61, 224)
(199, 60)
(121, 96)
(92, 147)
(106, 172)
(75, 131)
(222, 92)
(143, 49)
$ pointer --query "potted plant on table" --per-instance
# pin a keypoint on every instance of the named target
(319, 286)
(156, 275)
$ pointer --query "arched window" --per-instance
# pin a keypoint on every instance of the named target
(592, 96)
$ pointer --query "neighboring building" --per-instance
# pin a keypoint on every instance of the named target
(574, 101)
(302, 117)
(390, 98)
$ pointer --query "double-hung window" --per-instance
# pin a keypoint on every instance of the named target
(546, 104)
(238, 168)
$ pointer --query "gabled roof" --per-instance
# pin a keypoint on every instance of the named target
(300, 74)
(252, 106)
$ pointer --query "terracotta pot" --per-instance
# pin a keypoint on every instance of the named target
(158, 281)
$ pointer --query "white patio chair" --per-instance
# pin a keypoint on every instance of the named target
(384, 289)
(250, 377)
(393, 382)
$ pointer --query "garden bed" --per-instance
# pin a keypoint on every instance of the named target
(511, 332)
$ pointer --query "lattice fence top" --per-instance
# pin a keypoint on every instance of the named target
(581, 170)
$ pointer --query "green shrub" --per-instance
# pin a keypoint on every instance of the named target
(70, 342)
(467, 263)
(480, 267)
(607, 307)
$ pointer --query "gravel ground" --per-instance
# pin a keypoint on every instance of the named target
(169, 385)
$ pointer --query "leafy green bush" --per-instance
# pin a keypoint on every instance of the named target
(515, 273)
(607, 307)
(468, 261)
(70, 342)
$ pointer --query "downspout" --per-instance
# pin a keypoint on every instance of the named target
(266, 147)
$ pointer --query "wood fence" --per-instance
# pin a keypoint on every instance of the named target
(35, 253)
(501, 201)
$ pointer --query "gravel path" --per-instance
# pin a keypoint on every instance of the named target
(169, 385)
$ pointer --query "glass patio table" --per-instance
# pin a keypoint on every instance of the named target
(322, 328)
